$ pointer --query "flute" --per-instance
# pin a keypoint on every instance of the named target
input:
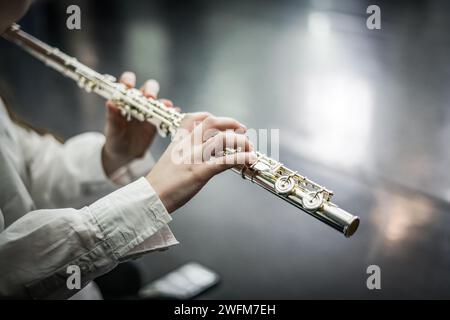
(268, 173)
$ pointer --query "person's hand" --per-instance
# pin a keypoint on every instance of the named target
(196, 155)
(128, 140)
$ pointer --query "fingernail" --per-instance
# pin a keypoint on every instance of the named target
(167, 102)
(252, 158)
(128, 78)
(152, 87)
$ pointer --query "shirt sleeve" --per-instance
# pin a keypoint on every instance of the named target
(71, 174)
(37, 249)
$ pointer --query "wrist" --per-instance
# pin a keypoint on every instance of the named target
(112, 162)
(162, 195)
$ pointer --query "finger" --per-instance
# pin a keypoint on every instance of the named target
(177, 109)
(196, 116)
(114, 117)
(188, 123)
(222, 123)
(212, 125)
(150, 88)
(218, 144)
(219, 164)
(114, 110)
(128, 78)
(168, 103)
(192, 119)
(110, 105)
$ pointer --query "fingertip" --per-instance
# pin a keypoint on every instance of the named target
(112, 109)
(113, 116)
(109, 104)
(168, 103)
(240, 130)
(252, 157)
(251, 146)
(128, 78)
(151, 88)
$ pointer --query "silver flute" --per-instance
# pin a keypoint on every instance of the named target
(268, 173)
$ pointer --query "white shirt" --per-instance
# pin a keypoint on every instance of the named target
(41, 234)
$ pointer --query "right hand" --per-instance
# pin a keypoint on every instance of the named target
(194, 157)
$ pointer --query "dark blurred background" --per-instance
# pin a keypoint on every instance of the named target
(364, 112)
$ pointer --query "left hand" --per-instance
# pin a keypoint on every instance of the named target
(128, 140)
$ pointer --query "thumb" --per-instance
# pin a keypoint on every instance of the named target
(217, 165)
(114, 117)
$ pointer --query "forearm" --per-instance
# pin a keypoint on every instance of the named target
(36, 250)
(72, 174)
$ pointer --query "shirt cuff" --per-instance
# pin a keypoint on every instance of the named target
(133, 220)
(160, 241)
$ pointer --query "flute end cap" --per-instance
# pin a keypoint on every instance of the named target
(352, 227)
